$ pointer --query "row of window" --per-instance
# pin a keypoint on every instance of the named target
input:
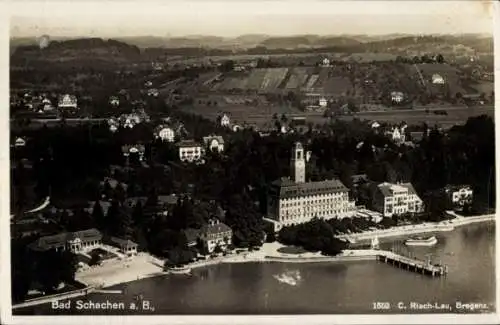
(310, 208)
(295, 215)
(313, 201)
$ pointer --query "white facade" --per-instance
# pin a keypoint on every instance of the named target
(397, 96)
(166, 134)
(225, 120)
(20, 142)
(153, 92)
(67, 101)
(114, 101)
(304, 208)
(190, 151)
(216, 234)
(214, 143)
(78, 246)
(396, 199)
(397, 134)
(323, 102)
(437, 79)
(297, 201)
(326, 62)
(460, 195)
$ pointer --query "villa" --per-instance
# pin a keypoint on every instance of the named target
(214, 143)
(397, 97)
(323, 102)
(437, 79)
(165, 133)
(396, 199)
(189, 151)
(114, 101)
(20, 142)
(216, 234)
(459, 195)
(67, 102)
(224, 120)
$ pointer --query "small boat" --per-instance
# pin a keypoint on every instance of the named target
(421, 241)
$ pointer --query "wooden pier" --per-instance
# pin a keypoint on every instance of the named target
(412, 264)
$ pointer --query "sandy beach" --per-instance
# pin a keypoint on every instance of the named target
(116, 272)
(144, 265)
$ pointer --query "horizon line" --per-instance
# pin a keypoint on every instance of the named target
(103, 36)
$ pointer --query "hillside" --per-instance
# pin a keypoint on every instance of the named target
(152, 48)
(80, 50)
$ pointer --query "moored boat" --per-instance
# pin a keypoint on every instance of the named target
(421, 241)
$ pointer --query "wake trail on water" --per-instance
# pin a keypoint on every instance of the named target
(291, 278)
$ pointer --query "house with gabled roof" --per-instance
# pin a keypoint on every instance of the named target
(214, 143)
(214, 234)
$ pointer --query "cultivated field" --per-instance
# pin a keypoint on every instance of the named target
(262, 115)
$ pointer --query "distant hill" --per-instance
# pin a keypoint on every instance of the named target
(87, 49)
(150, 48)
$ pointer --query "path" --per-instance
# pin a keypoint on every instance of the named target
(41, 206)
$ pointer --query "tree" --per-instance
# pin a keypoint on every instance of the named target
(95, 259)
(54, 267)
(440, 59)
(120, 194)
(138, 214)
(98, 216)
(227, 66)
(107, 190)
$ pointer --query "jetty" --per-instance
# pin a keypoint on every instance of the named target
(108, 291)
(413, 264)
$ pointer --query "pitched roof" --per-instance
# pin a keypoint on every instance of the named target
(358, 178)
(207, 140)
(454, 188)
(214, 229)
(387, 189)
(409, 186)
(53, 241)
(288, 189)
(122, 242)
(188, 143)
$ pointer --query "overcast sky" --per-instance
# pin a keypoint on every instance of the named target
(113, 18)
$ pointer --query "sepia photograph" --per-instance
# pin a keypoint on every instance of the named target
(250, 158)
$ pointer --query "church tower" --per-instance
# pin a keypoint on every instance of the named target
(298, 164)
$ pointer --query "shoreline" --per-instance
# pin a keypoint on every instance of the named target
(146, 266)
(448, 225)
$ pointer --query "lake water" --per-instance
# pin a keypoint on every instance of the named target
(327, 288)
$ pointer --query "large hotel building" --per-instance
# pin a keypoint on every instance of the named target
(294, 201)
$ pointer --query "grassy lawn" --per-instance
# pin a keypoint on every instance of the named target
(292, 250)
